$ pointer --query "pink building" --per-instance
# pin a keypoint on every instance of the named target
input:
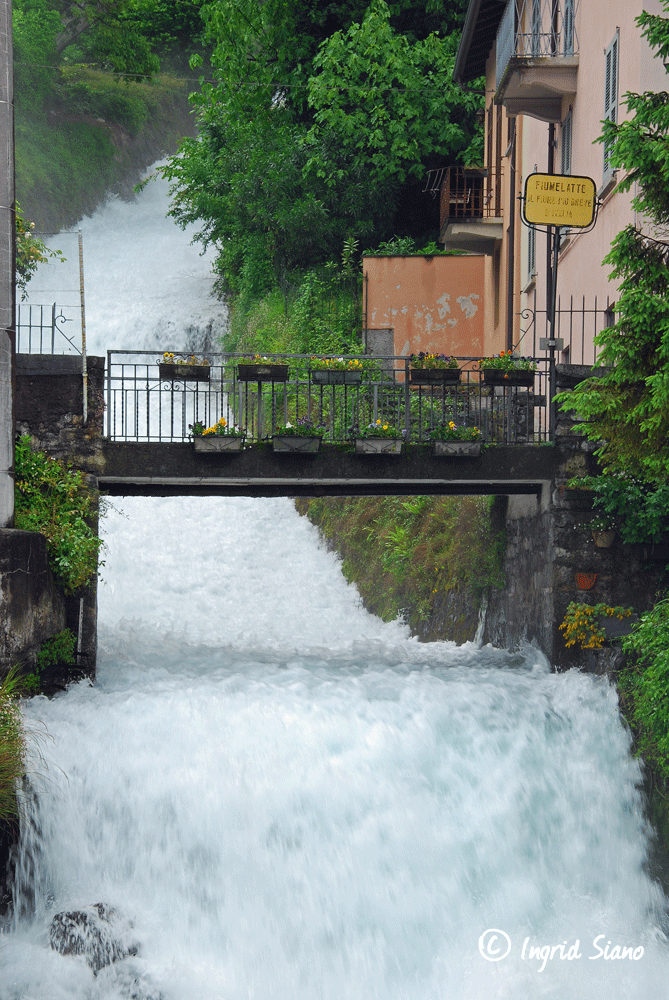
(554, 69)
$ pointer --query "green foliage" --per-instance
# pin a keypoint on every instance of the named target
(640, 510)
(30, 251)
(12, 745)
(320, 126)
(58, 649)
(627, 410)
(409, 552)
(55, 501)
(645, 686)
(36, 24)
(384, 105)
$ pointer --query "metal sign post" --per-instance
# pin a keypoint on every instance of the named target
(557, 201)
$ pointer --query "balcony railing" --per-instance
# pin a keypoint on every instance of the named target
(470, 194)
(536, 29)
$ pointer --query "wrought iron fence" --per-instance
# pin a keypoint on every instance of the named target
(576, 323)
(150, 401)
(41, 329)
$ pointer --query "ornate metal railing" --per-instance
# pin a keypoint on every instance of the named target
(41, 329)
(536, 29)
(148, 402)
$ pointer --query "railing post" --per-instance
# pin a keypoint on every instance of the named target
(407, 402)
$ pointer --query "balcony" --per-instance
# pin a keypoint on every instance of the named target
(470, 208)
(537, 57)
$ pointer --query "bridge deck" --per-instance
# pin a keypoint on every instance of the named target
(143, 469)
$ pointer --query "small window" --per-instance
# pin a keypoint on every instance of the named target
(610, 98)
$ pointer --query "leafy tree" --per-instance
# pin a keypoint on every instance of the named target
(628, 409)
(302, 147)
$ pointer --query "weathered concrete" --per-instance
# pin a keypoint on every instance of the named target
(49, 407)
(33, 606)
(177, 470)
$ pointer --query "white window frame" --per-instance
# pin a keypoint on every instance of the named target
(611, 81)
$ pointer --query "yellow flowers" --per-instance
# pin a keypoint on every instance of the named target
(218, 428)
(582, 624)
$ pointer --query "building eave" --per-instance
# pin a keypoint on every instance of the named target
(478, 37)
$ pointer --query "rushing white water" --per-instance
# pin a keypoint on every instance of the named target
(292, 799)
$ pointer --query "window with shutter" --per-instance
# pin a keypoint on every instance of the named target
(566, 144)
(568, 27)
(610, 99)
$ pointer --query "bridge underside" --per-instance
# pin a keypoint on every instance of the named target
(145, 469)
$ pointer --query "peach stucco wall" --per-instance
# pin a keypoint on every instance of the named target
(434, 304)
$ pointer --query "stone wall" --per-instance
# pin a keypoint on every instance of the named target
(49, 408)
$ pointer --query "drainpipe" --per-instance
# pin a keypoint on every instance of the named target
(84, 364)
(511, 237)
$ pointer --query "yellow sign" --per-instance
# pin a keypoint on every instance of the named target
(560, 200)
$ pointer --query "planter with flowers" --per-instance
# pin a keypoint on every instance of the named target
(603, 530)
(261, 369)
(336, 371)
(183, 368)
(303, 437)
(379, 438)
(591, 625)
(506, 369)
(452, 440)
(219, 438)
(433, 369)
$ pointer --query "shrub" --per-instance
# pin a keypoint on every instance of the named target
(55, 501)
(12, 746)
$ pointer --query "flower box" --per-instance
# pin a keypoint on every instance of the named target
(457, 449)
(216, 443)
(378, 446)
(333, 377)
(264, 372)
(497, 376)
(604, 539)
(585, 581)
(172, 372)
(295, 443)
(434, 376)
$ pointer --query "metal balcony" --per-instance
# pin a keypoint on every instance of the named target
(470, 208)
(537, 57)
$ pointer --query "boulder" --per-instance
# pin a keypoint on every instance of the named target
(99, 933)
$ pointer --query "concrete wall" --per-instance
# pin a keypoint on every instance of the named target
(33, 605)
(433, 304)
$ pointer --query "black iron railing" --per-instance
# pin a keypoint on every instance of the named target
(148, 402)
(42, 329)
(536, 29)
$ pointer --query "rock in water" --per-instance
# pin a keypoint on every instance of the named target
(98, 932)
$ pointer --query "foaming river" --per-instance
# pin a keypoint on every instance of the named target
(290, 799)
